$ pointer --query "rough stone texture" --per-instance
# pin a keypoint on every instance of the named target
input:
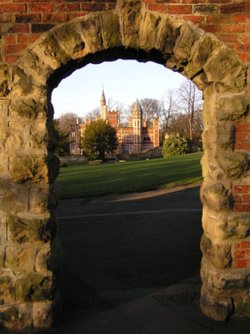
(29, 252)
(219, 308)
(219, 255)
(22, 230)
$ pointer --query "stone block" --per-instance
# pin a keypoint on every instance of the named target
(50, 51)
(42, 314)
(131, 18)
(22, 83)
(225, 71)
(242, 306)
(4, 80)
(225, 224)
(6, 290)
(200, 54)
(20, 259)
(17, 317)
(42, 259)
(218, 254)
(3, 234)
(28, 168)
(39, 137)
(224, 280)
(32, 64)
(149, 32)
(28, 109)
(18, 136)
(39, 200)
(215, 196)
(73, 41)
(216, 307)
(33, 287)
(14, 198)
(234, 164)
(187, 39)
(221, 136)
(92, 32)
(231, 106)
(31, 229)
(111, 30)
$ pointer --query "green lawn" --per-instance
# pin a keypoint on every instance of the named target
(86, 180)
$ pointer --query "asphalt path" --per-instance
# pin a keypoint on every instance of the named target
(118, 248)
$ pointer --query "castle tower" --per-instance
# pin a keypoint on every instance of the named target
(136, 114)
(156, 132)
(103, 106)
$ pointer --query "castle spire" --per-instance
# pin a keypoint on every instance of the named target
(103, 106)
(103, 98)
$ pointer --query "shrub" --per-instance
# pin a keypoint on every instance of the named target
(174, 145)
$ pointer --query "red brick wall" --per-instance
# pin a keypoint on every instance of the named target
(242, 254)
(241, 192)
(22, 22)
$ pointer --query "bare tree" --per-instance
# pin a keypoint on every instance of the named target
(93, 114)
(189, 102)
(168, 111)
(65, 121)
(152, 108)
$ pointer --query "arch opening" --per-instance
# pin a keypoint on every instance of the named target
(131, 259)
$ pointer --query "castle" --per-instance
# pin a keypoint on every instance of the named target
(136, 136)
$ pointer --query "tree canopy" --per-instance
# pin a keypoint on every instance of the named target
(99, 139)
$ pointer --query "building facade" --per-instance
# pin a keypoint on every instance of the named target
(136, 136)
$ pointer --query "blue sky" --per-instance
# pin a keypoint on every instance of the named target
(124, 81)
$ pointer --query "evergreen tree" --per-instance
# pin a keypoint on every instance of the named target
(62, 144)
(99, 139)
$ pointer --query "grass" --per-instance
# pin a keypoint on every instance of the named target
(86, 180)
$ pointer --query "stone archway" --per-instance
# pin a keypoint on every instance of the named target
(29, 168)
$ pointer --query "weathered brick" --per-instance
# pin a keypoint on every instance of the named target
(243, 127)
(28, 18)
(179, 9)
(11, 59)
(93, 6)
(241, 208)
(41, 7)
(42, 27)
(208, 9)
(242, 146)
(55, 17)
(240, 28)
(239, 18)
(12, 8)
(14, 48)
(233, 8)
(194, 18)
(10, 39)
(241, 189)
(27, 38)
(240, 264)
(158, 7)
(243, 137)
(69, 7)
(19, 28)
(5, 18)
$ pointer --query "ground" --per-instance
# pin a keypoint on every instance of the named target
(127, 245)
